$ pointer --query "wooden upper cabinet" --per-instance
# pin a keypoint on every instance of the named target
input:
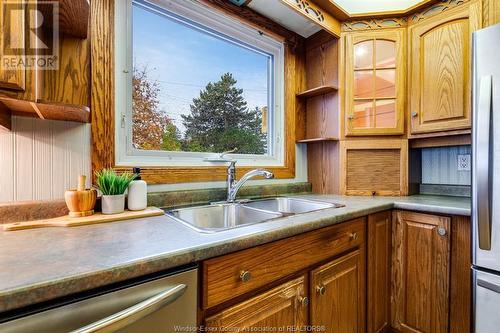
(338, 294)
(13, 44)
(375, 82)
(440, 84)
(282, 307)
(420, 272)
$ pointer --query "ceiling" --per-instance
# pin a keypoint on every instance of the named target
(355, 7)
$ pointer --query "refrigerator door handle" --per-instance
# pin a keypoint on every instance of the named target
(488, 285)
(483, 199)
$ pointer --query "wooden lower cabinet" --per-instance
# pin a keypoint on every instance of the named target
(420, 272)
(338, 295)
(394, 271)
(285, 306)
(379, 272)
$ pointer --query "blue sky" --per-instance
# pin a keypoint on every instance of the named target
(183, 61)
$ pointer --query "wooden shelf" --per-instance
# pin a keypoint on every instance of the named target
(321, 90)
(317, 140)
(42, 110)
(441, 141)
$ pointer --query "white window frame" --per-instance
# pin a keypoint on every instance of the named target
(125, 153)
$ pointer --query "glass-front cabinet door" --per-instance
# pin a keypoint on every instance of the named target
(375, 82)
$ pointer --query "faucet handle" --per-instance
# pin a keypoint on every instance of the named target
(221, 158)
(235, 149)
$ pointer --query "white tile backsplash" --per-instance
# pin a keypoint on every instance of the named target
(440, 166)
(40, 159)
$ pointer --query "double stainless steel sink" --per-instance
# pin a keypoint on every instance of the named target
(223, 216)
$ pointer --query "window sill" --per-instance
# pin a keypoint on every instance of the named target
(175, 175)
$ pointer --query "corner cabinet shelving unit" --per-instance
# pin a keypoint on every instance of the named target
(320, 101)
(62, 94)
(320, 98)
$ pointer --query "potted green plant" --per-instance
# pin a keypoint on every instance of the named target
(113, 186)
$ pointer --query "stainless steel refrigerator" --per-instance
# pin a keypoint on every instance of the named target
(486, 179)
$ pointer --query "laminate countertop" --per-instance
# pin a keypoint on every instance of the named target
(39, 265)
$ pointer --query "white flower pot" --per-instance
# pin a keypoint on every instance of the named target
(113, 204)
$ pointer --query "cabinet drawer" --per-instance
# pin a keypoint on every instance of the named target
(223, 277)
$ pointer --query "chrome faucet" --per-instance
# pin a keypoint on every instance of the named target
(233, 186)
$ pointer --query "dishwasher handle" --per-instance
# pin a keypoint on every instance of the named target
(134, 313)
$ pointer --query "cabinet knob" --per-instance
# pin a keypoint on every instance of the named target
(304, 301)
(350, 117)
(245, 276)
(414, 114)
(441, 231)
(321, 289)
(353, 236)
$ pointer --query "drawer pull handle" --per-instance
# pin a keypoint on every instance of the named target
(321, 289)
(353, 236)
(245, 276)
(304, 301)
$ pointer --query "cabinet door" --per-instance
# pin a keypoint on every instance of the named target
(420, 272)
(16, 80)
(379, 272)
(282, 307)
(440, 85)
(374, 167)
(338, 294)
(375, 82)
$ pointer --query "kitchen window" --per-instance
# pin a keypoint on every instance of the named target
(191, 82)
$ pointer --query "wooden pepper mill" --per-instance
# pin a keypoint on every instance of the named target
(81, 201)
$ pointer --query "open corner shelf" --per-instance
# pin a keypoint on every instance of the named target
(43, 110)
(317, 140)
(321, 90)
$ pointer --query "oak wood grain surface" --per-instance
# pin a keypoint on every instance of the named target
(379, 272)
(420, 272)
(269, 262)
(439, 69)
(341, 306)
(376, 166)
(278, 308)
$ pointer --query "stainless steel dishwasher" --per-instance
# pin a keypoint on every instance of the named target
(162, 304)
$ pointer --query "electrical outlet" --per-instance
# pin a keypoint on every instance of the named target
(463, 162)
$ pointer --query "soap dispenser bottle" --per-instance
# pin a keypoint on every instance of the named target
(137, 192)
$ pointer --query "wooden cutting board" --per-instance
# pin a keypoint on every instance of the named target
(67, 221)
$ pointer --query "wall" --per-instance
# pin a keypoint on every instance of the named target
(439, 166)
(40, 159)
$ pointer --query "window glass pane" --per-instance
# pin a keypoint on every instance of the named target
(363, 114)
(363, 84)
(385, 54)
(196, 90)
(363, 55)
(385, 83)
(385, 113)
